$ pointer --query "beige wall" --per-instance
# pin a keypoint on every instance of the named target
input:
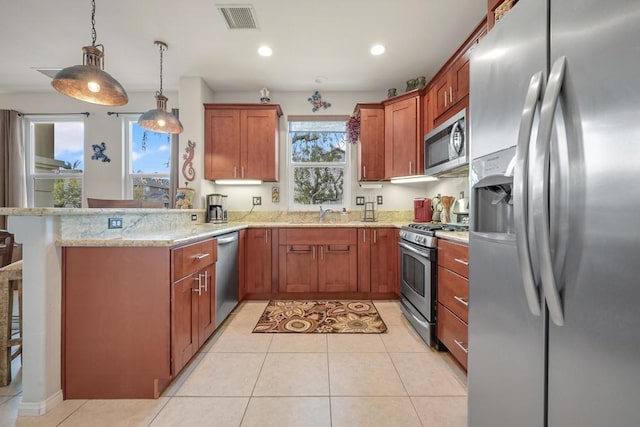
(106, 180)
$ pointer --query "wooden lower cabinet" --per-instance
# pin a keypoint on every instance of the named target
(116, 318)
(298, 268)
(318, 260)
(193, 300)
(338, 267)
(193, 315)
(453, 333)
(453, 298)
(378, 261)
(349, 262)
(132, 317)
(258, 260)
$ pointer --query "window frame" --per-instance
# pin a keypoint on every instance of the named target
(129, 176)
(291, 165)
(30, 155)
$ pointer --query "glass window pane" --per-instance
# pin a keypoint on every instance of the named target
(150, 151)
(151, 189)
(57, 192)
(319, 147)
(319, 185)
(58, 146)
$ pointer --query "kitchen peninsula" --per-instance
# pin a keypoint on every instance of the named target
(45, 232)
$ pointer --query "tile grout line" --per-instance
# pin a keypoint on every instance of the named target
(161, 409)
(326, 338)
(415, 410)
(244, 414)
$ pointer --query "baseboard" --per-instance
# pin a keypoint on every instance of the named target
(34, 409)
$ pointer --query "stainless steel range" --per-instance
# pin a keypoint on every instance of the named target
(418, 250)
(418, 280)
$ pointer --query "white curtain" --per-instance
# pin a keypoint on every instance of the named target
(13, 183)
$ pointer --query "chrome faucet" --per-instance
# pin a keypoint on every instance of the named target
(323, 212)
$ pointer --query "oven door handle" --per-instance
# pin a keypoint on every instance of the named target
(415, 251)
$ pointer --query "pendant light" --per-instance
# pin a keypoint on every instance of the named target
(89, 82)
(160, 120)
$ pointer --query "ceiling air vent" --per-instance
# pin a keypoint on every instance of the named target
(239, 16)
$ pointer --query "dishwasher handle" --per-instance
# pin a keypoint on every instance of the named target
(226, 240)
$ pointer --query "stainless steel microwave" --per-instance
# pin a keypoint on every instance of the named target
(445, 147)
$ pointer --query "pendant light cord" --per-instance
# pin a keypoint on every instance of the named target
(161, 51)
(94, 35)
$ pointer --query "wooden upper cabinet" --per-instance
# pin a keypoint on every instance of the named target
(371, 147)
(403, 136)
(428, 101)
(222, 138)
(241, 141)
(453, 86)
(258, 144)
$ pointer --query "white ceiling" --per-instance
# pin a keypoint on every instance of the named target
(309, 38)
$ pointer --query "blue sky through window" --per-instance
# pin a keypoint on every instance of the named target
(69, 143)
(150, 153)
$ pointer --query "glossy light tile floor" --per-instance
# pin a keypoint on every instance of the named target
(245, 379)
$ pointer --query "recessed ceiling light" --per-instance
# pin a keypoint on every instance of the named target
(377, 49)
(321, 79)
(265, 51)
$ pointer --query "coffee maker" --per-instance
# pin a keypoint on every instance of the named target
(217, 208)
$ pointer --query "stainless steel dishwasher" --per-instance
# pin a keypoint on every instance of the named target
(226, 276)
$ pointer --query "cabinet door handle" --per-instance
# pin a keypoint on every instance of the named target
(451, 94)
(198, 257)
(461, 300)
(445, 98)
(235, 171)
(206, 281)
(410, 167)
(322, 252)
(364, 171)
(460, 344)
(375, 236)
(242, 172)
(266, 236)
(364, 236)
(199, 288)
(461, 261)
(313, 252)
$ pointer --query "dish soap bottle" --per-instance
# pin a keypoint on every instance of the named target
(343, 216)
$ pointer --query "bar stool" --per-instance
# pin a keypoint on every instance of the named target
(10, 326)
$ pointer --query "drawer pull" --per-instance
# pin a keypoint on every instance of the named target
(461, 261)
(459, 344)
(198, 257)
(461, 300)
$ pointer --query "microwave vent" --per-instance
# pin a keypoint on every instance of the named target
(239, 16)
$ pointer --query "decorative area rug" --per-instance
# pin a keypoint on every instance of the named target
(321, 317)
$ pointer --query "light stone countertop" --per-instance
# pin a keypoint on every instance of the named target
(455, 236)
(203, 231)
(90, 211)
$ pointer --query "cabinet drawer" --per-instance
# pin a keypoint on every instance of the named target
(453, 293)
(191, 258)
(453, 333)
(318, 236)
(454, 256)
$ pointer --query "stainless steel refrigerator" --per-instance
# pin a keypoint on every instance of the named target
(554, 273)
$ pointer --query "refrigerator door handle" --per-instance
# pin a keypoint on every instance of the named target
(541, 190)
(521, 193)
